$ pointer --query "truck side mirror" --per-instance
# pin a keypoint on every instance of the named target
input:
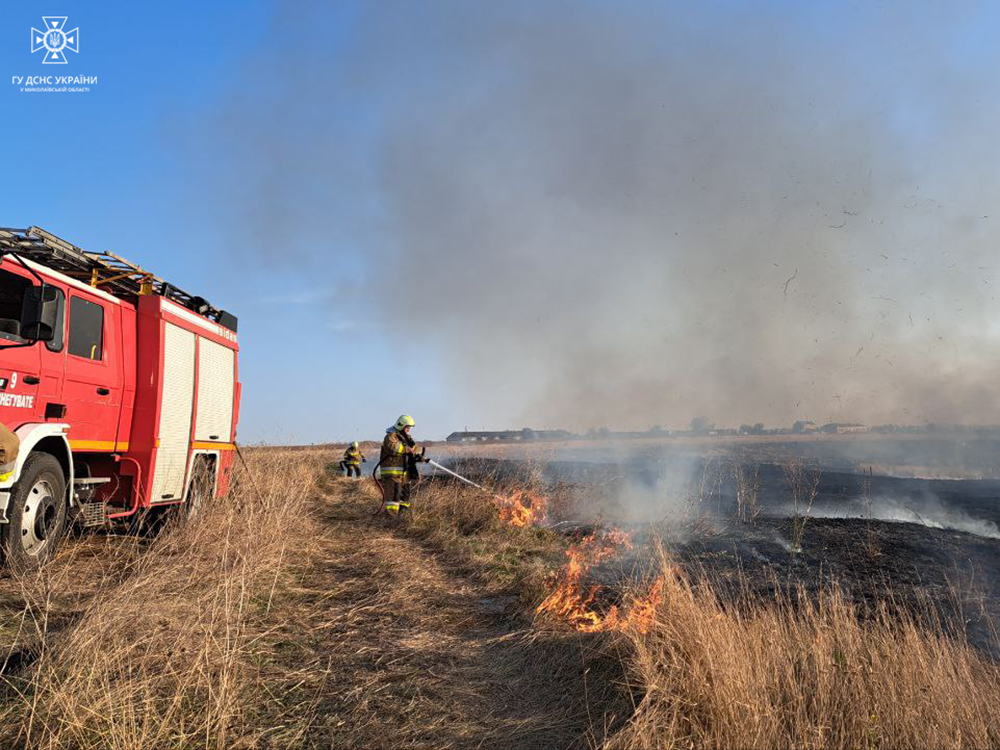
(40, 313)
(37, 331)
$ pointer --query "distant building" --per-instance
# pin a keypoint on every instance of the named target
(508, 436)
(804, 426)
(842, 428)
(485, 437)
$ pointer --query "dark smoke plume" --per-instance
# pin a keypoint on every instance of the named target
(626, 214)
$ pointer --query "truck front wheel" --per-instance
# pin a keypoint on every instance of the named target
(36, 513)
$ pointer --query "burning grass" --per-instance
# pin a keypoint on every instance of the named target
(571, 597)
(787, 670)
(523, 507)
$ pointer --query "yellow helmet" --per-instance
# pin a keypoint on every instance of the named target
(354, 444)
(405, 420)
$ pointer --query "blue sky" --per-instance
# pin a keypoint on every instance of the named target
(511, 214)
(119, 168)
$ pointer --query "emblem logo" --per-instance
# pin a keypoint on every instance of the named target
(55, 40)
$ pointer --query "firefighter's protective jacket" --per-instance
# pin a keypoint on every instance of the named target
(395, 448)
(9, 445)
(353, 456)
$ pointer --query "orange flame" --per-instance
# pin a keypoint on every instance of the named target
(642, 615)
(571, 600)
(515, 511)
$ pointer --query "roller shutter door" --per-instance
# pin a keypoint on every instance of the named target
(216, 378)
(175, 415)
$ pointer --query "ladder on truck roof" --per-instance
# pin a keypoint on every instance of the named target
(102, 269)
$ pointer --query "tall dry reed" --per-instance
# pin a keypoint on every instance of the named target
(808, 674)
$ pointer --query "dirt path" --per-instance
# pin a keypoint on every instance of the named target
(387, 647)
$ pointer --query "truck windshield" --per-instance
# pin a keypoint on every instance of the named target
(12, 291)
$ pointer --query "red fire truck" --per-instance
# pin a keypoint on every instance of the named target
(122, 388)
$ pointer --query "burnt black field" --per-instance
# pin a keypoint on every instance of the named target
(929, 546)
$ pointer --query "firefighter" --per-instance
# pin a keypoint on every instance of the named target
(353, 458)
(398, 462)
(9, 446)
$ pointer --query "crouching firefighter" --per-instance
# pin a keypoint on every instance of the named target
(398, 463)
(353, 458)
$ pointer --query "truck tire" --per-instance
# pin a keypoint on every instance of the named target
(36, 514)
(200, 491)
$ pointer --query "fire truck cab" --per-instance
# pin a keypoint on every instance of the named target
(122, 389)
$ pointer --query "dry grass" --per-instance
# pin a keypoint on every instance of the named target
(465, 524)
(164, 656)
(233, 631)
(810, 674)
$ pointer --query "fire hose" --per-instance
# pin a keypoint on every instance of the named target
(381, 489)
